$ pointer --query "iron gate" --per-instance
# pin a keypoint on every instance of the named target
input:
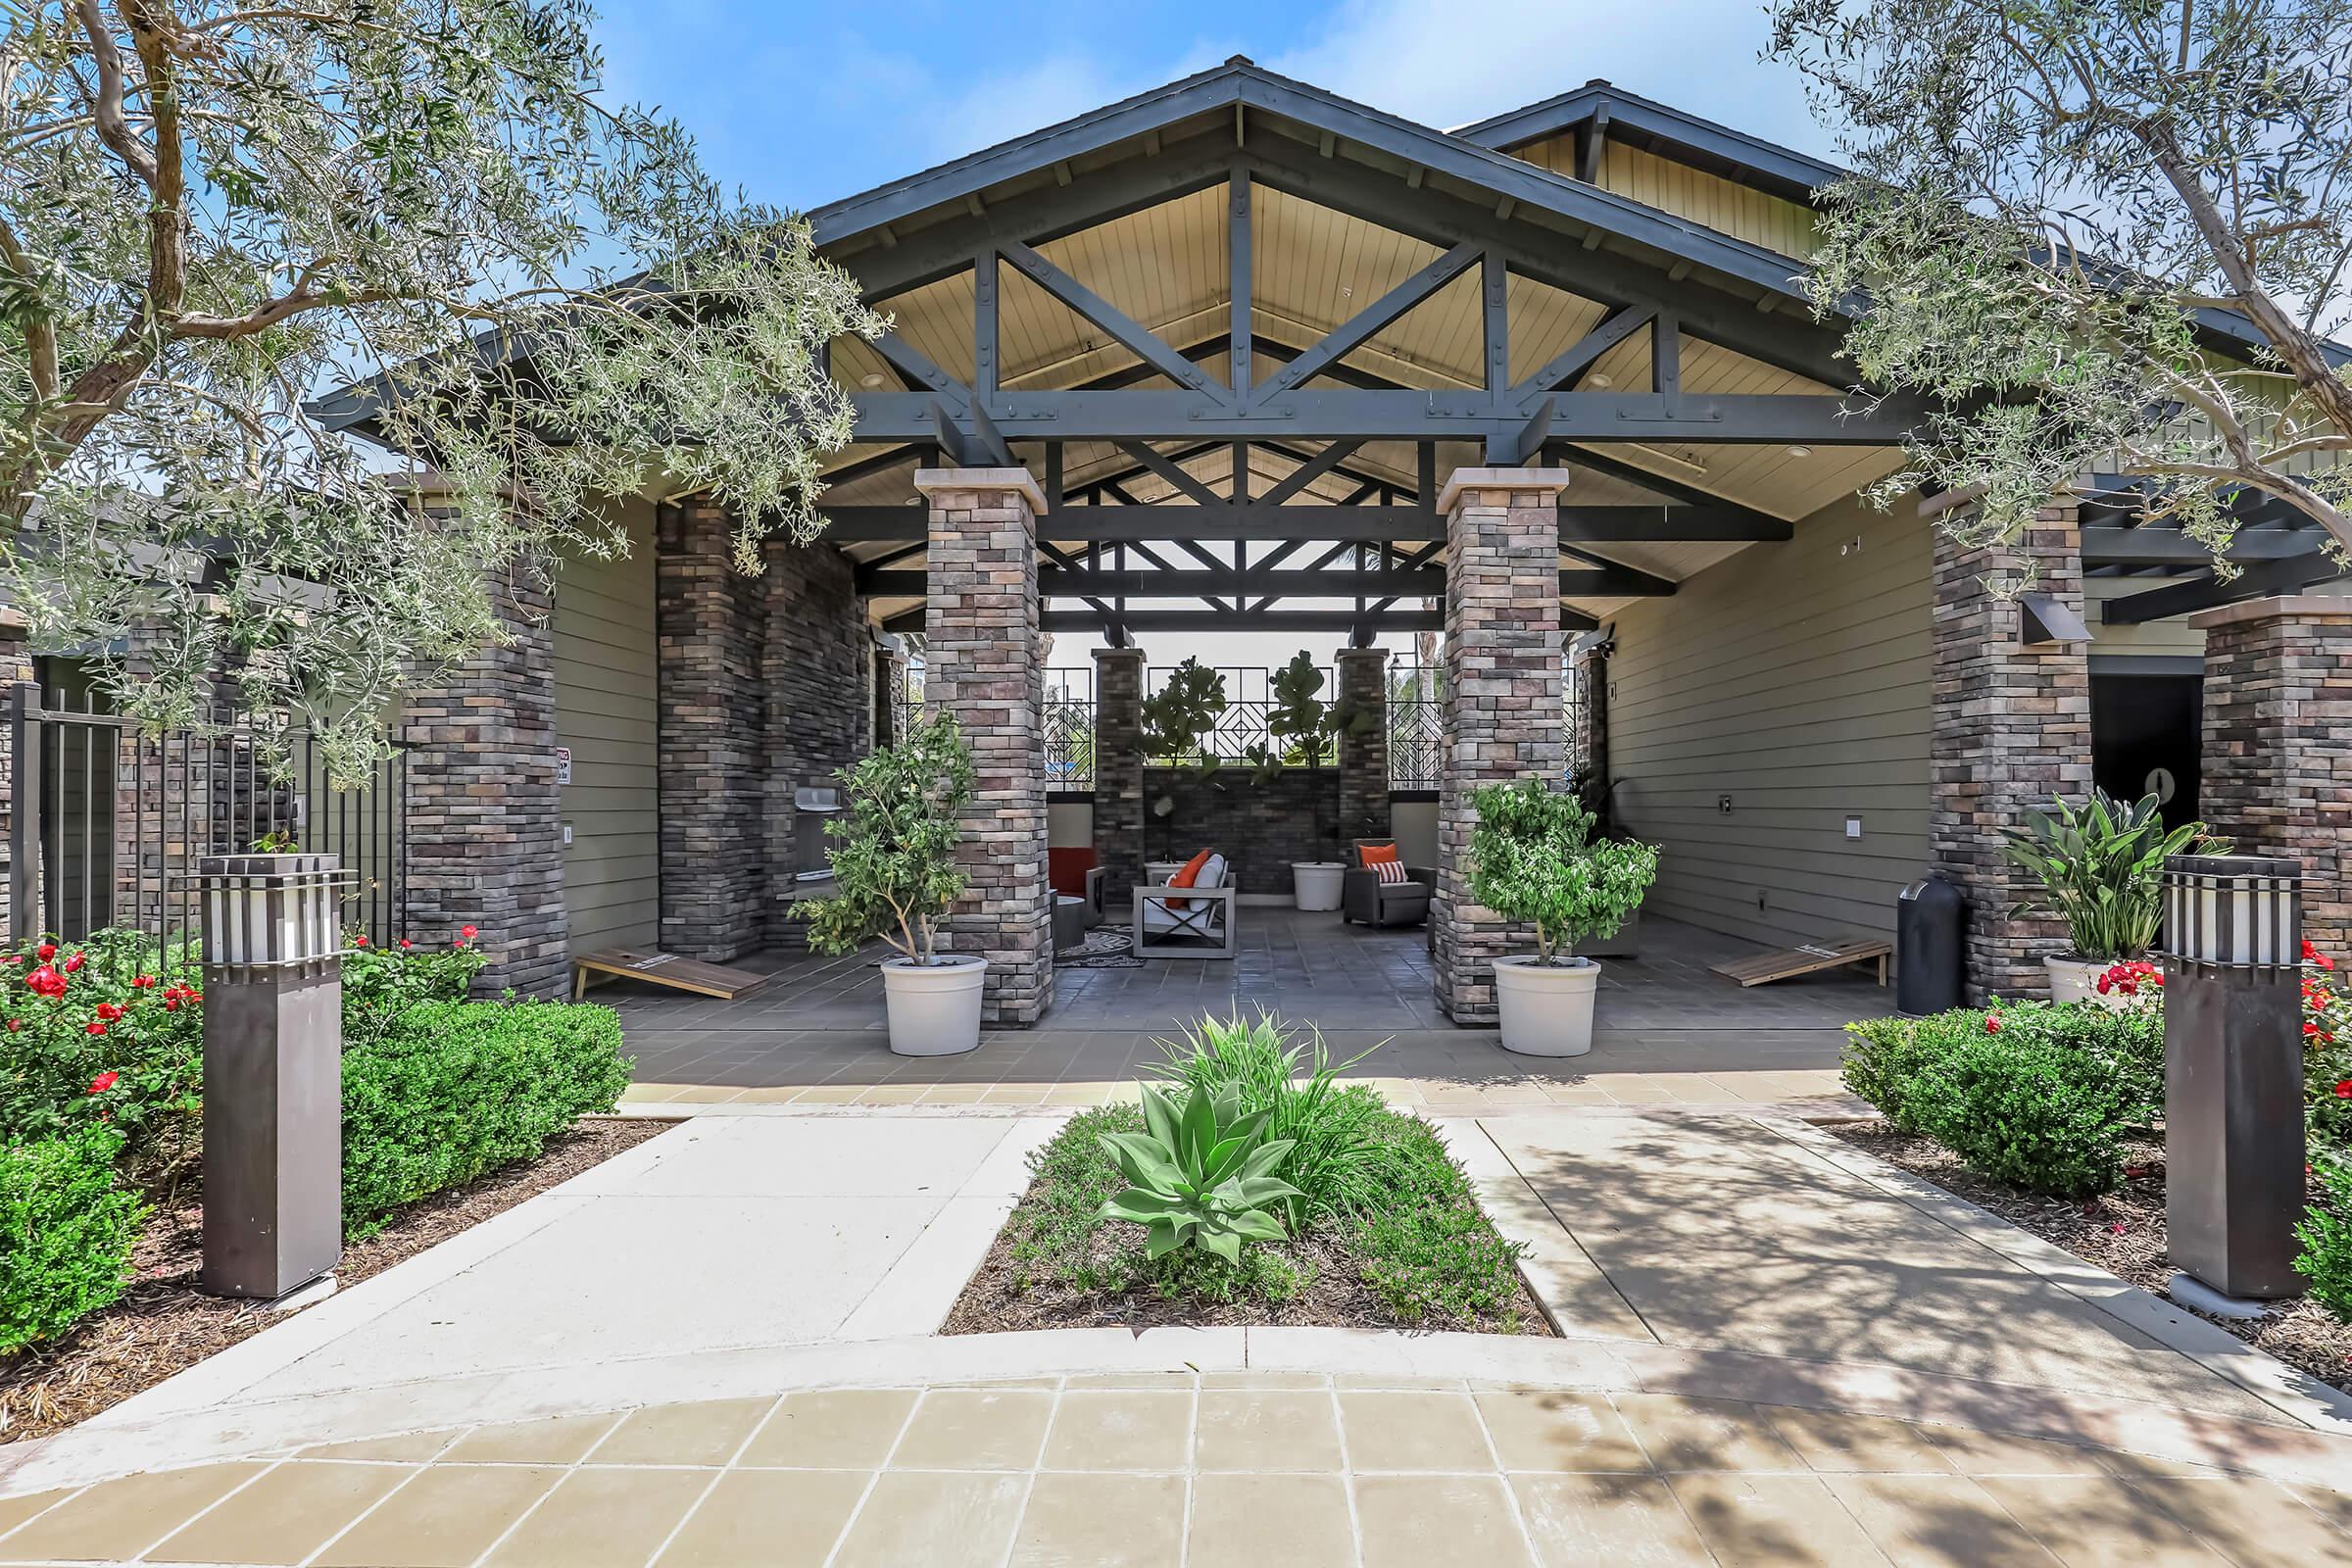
(108, 822)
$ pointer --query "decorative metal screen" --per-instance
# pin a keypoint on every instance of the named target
(1249, 699)
(1416, 726)
(1069, 730)
(1578, 687)
(907, 703)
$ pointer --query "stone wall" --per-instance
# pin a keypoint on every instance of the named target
(1504, 717)
(2012, 729)
(2278, 769)
(1261, 828)
(817, 673)
(484, 835)
(1119, 791)
(1363, 759)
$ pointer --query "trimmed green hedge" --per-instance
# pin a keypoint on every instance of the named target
(66, 1230)
(461, 1088)
(2326, 1233)
(2036, 1093)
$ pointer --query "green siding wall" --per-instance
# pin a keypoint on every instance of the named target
(1795, 679)
(606, 700)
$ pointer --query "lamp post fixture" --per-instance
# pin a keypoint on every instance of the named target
(2232, 1076)
(272, 1071)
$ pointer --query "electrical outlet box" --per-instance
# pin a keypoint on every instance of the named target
(568, 835)
(1853, 828)
(1763, 897)
(1723, 803)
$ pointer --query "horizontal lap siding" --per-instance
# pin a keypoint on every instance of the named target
(1794, 678)
(605, 711)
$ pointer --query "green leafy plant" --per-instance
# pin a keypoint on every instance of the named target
(380, 984)
(1181, 717)
(456, 1089)
(2325, 1232)
(68, 1227)
(1532, 860)
(1886, 1057)
(1425, 1248)
(108, 1028)
(2101, 867)
(1199, 1174)
(894, 850)
(1263, 1066)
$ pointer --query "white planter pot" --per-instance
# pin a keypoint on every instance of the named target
(2078, 980)
(934, 1008)
(1546, 1008)
(1317, 883)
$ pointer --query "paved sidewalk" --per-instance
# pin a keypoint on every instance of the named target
(1185, 1470)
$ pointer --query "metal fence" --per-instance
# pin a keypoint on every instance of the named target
(1069, 730)
(109, 822)
(1249, 700)
(1416, 726)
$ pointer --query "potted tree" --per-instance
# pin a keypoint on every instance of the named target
(1299, 723)
(2101, 871)
(1532, 860)
(1178, 721)
(894, 864)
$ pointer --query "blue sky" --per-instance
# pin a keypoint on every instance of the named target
(801, 103)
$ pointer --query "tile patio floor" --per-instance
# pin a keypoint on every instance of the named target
(1669, 1031)
(1203, 1471)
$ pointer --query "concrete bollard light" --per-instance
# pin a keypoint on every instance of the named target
(2232, 1076)
(272, 1072)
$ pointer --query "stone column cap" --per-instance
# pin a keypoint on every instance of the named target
(2282, 607)
(1461, 479)
(932, 481)
(1363, 652)
(1119, 652)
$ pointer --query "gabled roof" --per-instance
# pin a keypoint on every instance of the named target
(1240, 87)
(1685, 137)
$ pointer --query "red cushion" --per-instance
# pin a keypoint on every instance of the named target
(1185, 878)
(1066, 870)
(1375, 853)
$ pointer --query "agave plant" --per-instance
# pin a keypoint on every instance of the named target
(2101, 867)
(1200, 1175)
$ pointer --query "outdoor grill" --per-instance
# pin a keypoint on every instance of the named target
(812, 805)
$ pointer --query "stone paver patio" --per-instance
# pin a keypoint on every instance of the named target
(1169, 1469)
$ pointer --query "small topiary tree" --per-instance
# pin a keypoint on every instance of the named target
(894, 854)
(1532, 860)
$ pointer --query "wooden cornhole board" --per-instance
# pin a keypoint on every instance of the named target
(665, 969)
(1806, 957)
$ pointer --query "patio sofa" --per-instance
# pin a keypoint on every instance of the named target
(1364, 896)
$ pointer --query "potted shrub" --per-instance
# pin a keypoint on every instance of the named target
(2101, 871)
(1532, 860)
(1301, 726)
(894, 864)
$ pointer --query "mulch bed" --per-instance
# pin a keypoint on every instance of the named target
(2122, 1232)
(164, 1324)
(995, 1302)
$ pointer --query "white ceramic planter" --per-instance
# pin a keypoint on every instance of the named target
(2075, 980)
(934, 1008)
(1546, 1008)
(1317, 883)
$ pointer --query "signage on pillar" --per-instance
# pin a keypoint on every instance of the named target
(563, 765)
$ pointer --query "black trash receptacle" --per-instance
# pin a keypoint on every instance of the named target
(1930, 961)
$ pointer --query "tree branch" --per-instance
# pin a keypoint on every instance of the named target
(107, 107)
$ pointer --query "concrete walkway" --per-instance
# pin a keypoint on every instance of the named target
(1866, 1331)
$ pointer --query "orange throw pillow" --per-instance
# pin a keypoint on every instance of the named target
(1371, 854)
(1185, 877)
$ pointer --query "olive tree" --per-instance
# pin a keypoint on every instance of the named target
(2113, 232)
(211, 213)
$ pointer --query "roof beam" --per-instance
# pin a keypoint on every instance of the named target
(2149, 545)
(1713, 522)
(1260, 519)
(1341, 620)
(1601, 580)
(1366, 323)
(2291, 575)
(1572, 361)
(1131, 334)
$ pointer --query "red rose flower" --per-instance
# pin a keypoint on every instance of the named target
(467, 932)
(2314, 957)
(358, 941)
(96, 1026)
(108, 1011)
(145, 982)
(15, 1024)
(73, 963)
(405, 943)
(1993, 1023)
(45, 982)
(48, 950)
(2343, 1089)
(104, 1081)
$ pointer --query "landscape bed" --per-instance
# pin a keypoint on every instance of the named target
(1380, 1228)
(2123, 1232)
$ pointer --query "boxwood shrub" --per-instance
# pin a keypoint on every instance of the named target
(2326, 1233)
(66, 1230)
(2035, 1093)
(461, 1088)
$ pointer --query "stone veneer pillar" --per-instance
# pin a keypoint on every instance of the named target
(980, 663)
(1503, 700)
(2011, 729)
(1119, 772)
(816, 681)
(2277, 770)
(1363, 759)
(484, 835)
(709, 623)
(16, 670)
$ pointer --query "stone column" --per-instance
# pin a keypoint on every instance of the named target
(485, 840)
(982, 665)
(2011, 731)
(816, 684)
(1119, 771)
(16, 670)
(1364, 758)
(1503, 718)
(2276, 772)
(710, 622)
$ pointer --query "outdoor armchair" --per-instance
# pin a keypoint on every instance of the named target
(1364, 896)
